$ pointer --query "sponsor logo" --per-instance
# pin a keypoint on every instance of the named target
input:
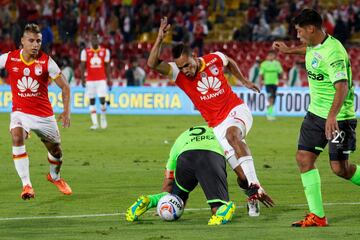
(101, 54)
(95, 61)
(15, 69)
(211, 62)
(15, 59)
(27, 83)
(314, 76)
(340, 75)
(337, 64)
(208, 83)
(40, 61)
(318, 56)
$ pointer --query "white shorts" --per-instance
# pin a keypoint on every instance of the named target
(96, 88)
(240, 116)
(45, 127)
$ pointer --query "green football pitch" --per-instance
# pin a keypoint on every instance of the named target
(108, 169)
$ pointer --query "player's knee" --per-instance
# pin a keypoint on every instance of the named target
(92, 101)
(305, 163)
(18, 140)
(56, 152)
(233, 136)
(339, 171)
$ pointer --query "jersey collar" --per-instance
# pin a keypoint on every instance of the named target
(23, 60)
(202, 64)
(95, 50)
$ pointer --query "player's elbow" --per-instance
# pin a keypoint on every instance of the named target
(151, 64)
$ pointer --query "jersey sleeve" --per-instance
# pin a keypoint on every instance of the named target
(53, 68)
(262, 68)
(223, 58)
(3, 59)
(336, 65)
(83, 55)
(174, 71)
(107, 56)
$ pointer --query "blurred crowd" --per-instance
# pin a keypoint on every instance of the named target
(127, 27)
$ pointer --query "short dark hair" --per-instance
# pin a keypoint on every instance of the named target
(180, 49)
(32, 27)
(308, 17)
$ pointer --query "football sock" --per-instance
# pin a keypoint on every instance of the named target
(270, 110)
(247, 165)
(21, 161)
(103, 112)
(154, 199)
(356, 177)
(93, 115)
(55, 165)
(312, 187)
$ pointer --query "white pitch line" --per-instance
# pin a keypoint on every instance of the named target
(122, 214)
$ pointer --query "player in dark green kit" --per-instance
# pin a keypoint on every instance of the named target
(196, 157)
(331, 115)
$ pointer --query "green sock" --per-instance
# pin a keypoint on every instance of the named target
(154, 199)
(312, 187)
(356, 177)
(270, 110)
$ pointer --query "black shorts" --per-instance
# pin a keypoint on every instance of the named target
(205, 167)
(313, 139)
(271, 90)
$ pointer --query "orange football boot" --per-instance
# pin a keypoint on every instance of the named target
(27, 192)
(61, 185)
(311, 220)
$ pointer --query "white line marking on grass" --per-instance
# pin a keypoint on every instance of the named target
(123, 214)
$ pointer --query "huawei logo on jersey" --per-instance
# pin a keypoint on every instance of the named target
(95, 61)
(208, 83)
(28, 83)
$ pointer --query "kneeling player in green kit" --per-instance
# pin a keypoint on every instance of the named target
(196, 157)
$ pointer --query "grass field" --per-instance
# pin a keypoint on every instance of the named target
(109, 169)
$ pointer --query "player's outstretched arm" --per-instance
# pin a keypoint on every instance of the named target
(154, 61)
(64, 117)
(283, 48)
(234, 69)
(82, 70)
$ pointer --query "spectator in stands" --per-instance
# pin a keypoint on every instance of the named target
(279, 31)
(200, 30)
(244, 33)
(221, 3)
(270, 69)
(261, 30)
(135, 75)
(47, 36)
(341, 31)
(7, 44)
(294, 79)
(254, 72)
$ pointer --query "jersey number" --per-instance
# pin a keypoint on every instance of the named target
(197, 131)
(339, 138)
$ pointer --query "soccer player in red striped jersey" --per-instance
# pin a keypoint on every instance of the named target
(96, 60)
(203, 80)
(29, 71)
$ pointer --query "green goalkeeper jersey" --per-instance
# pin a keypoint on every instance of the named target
(326, 64)
(195, 138)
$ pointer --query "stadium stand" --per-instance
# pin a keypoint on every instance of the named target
(241, 29)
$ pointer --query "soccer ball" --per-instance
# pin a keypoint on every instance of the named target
(170, 207)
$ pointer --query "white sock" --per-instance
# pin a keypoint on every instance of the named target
(21, 161)
(103, 112)
(247, 165)
(55, 165)
(93, 115)
(233, 162)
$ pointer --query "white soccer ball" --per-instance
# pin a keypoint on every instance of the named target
(170, 207)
